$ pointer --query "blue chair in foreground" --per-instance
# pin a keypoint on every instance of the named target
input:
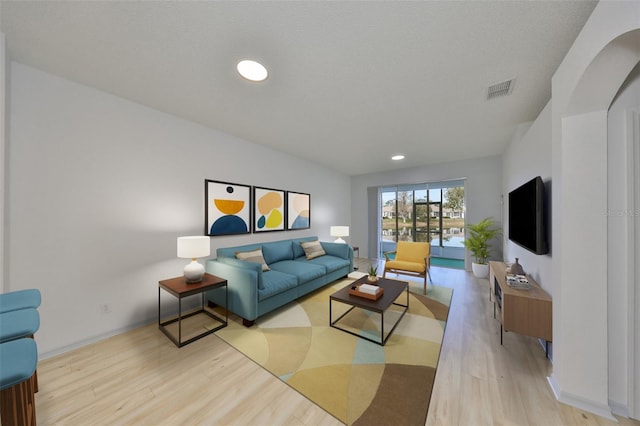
(20, 299)
(19, 317)
(18, 361)
(18, 324)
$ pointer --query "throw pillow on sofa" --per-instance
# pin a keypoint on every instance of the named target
(312, 249)
(253, 256)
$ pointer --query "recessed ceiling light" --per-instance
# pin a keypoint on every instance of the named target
(252, 70)
(397, 157)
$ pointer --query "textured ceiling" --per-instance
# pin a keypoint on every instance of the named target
(350, 84)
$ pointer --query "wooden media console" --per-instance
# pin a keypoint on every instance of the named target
(527, 312)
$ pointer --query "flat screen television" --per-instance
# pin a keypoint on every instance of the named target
(527, 216)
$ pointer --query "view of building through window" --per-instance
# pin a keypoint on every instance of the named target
(427, 212)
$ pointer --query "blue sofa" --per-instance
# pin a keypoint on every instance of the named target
(254, 292)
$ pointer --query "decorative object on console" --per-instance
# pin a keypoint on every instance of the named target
(269, 209)
(298, 210)
(227, 208)
(192, 248)
(518, 281)
(515, 268)
(477, 242)
(339, 231)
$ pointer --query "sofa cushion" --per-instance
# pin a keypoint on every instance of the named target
(330, 263)
(303, 270)
(277, 251)
(275, 282)
(253, 256)
(312, 249)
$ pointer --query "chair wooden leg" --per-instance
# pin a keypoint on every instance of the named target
(425, 284)
(18, 405)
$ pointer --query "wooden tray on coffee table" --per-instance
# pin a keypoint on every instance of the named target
(367, 295)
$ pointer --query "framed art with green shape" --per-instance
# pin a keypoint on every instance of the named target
(227, 208)
(269, 213)
(298, 210)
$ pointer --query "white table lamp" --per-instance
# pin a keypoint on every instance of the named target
(340, 231)
(193, 248)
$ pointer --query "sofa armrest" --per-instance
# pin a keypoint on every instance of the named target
(242, 284)
(344, 251)
(243, 264)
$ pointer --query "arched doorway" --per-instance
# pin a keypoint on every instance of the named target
(585, 330)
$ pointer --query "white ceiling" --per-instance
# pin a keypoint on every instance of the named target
(350, 84)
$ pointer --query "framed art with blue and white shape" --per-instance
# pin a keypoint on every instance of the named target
(298, 210)
(227, 208)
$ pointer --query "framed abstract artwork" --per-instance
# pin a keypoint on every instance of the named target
(298, 210)
(227, 208)
(269, 210)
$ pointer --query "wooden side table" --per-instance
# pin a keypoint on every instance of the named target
(180, 289)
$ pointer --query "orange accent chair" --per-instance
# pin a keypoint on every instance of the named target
(410, 259)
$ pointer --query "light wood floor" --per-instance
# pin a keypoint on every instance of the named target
(141, 378)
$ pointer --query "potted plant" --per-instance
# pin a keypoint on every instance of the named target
(477, 242)
(373, 274)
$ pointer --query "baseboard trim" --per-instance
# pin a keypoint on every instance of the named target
(94, 339)
(580, 403)
(619, 409)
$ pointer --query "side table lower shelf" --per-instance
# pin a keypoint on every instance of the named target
(180, 289)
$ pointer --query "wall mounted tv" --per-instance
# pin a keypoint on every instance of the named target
(527, 216)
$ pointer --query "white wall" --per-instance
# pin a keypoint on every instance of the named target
(3, 191)
(99, 189)
(582, 89)
(527, 156)
(620, 244)
(483, 189)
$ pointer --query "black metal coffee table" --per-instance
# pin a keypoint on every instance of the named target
(392, 290)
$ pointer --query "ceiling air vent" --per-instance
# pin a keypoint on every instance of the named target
(500, 89)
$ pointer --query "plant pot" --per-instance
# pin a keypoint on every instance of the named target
(480, 270)
(372, 279)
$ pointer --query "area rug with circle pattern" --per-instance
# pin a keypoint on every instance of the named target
(357, 381)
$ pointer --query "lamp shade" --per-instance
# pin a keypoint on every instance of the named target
(193, 247)
(339, 231)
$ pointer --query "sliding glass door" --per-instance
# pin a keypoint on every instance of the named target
(432, 212)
